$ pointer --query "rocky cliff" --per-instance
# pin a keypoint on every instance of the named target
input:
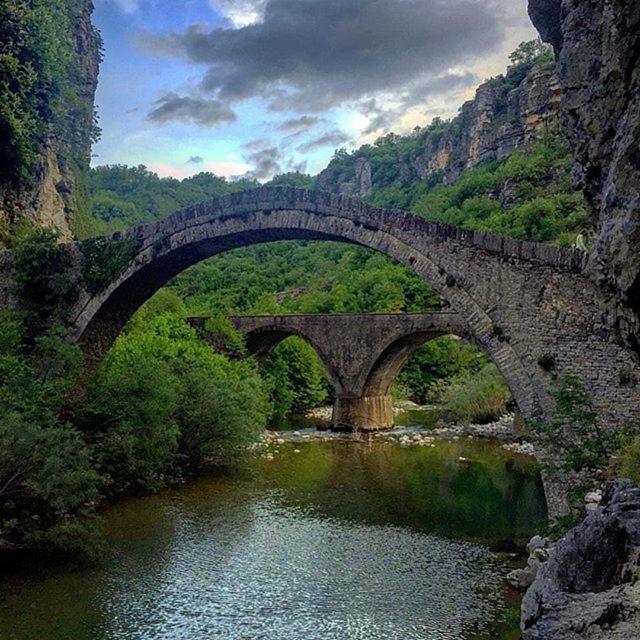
(62, 146)
(589, 589)
(598, 49)
(505, 113)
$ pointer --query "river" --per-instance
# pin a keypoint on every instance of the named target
(329, 540)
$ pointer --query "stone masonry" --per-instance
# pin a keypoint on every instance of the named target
(519, 301)
(362, 354)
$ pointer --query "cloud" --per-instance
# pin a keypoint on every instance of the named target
(382, 116)
(195, 160)
(266, 161)
(312, 55)
(241, 12)
(205, 113)
(300, 125)
(331, 139)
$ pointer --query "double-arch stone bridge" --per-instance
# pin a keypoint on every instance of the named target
(362, 353)
(520, 302)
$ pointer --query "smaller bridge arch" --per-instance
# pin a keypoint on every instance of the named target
(362, 354)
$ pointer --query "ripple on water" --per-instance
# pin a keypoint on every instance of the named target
(336, 543)
(293, 576)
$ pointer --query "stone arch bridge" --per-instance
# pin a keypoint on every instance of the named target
(521, 302)
(363, 354)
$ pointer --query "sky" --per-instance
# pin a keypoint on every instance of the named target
(253, 88)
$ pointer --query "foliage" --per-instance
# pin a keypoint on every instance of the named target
(574, 432)
(436, 363)
(296, 377)
(41, 279)
(545, 208)
(46, 470)
(627, 462)
(307, 278)
(293, 179)
(122, 196)
(547, 361)
(558, 527)
(478, 398)
(532, 52)
(39, 88)
(104, 260)
(223, 337)
(163, 402)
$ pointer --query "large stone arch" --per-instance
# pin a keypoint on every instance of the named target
(518, 300)
(168, 247)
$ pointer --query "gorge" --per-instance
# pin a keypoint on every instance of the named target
(153, 328)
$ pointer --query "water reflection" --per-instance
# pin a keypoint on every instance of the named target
(339, 541)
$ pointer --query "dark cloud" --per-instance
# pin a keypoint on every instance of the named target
(195, 160)
(205, 113)
(300, 125)
(266, 161)
(311, 55)
(331, 139)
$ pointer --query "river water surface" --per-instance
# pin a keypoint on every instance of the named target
(329, 541)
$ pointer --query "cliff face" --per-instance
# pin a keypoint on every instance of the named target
(498, 120)
(64, 153)
(598, 48)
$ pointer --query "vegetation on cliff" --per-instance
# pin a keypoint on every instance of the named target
(528, 196)
(41, 99)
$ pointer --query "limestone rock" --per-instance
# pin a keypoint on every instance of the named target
(590, 587)
(490, 126)
(598, 47)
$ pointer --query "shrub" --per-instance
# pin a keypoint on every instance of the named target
(627, 463)
(295, 366)
(223, 337)
(163, 402)
(479, 398)
(104, 260)
(574, 431)
(547, 361)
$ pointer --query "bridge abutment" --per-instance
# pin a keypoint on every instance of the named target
(365, 413)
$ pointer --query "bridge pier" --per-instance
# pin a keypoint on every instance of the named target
(366, 413)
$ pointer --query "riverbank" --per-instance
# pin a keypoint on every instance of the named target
(504, 431)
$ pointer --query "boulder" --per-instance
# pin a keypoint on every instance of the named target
(590, 587)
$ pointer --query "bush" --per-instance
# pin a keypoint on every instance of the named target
(163, 402)
(297, 378)
(479, 398)
(436, 361)
(627, 464)
(46, 468)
